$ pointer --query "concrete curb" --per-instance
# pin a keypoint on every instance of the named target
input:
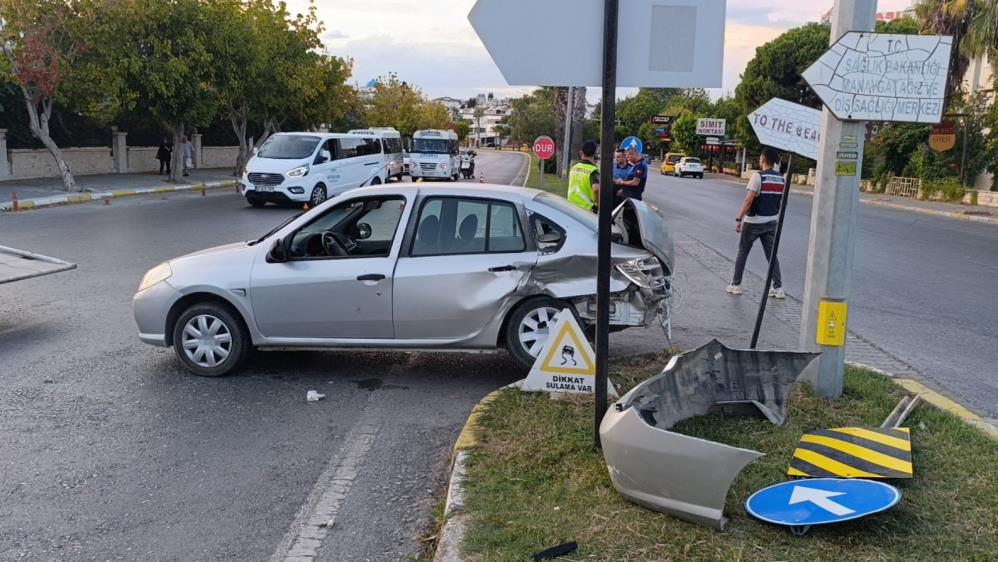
(936, 399)
(87, 197)
(895, 206)
(455, 519)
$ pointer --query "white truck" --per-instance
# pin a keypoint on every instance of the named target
(434, 155)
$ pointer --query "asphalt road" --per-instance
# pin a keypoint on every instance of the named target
(110, 451)
(923, 287)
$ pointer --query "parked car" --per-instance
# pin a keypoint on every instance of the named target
(670, 161)
(296, 168)
(689, 166)
(467, 267)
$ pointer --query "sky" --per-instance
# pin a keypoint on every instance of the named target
(430, 44)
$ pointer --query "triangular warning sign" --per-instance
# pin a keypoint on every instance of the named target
(566, 363)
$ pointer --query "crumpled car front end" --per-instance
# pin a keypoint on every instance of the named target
(686, 476)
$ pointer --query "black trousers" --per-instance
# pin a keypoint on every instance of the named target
(164, 164)
(750, 233)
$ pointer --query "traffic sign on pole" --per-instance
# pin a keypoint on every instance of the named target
(800, 504)
(669, 43)
(883, 77)
(788, 126)
(633, 143)
(545, 149)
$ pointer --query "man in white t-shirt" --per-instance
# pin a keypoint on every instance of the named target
(757, 220)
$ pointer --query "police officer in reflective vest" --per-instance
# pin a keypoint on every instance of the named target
(757, 220)
(583, 180)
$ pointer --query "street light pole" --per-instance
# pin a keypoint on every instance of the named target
(833, 217)
(610, 15)
(567, 144)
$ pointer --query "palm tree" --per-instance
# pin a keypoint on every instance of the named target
(982, 33)
(950, 17)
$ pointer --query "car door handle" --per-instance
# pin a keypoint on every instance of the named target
(371, 277)
(502, 268)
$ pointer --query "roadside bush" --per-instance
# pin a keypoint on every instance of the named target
(948, 189)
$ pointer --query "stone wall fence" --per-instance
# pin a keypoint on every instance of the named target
(119, 158)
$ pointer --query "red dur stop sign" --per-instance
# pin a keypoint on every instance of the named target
(544, 148)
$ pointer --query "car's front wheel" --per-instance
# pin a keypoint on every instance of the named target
(318, 195)
(210, 340)
(257, 203)
(529, 328)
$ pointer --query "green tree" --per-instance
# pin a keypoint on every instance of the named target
(775, 72)
(153, 52)
(398, 104)
(954, 18)
(532, 116)
(462, 129)
(39, 50)
(684, 133)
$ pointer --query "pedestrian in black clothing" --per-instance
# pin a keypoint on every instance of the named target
(164, 155)
(758, 218)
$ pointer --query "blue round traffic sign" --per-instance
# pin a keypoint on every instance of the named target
(819, 501)
(633, 142)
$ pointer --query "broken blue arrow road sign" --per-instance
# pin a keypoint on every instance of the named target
(819, 501)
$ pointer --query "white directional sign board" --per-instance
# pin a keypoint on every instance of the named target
(661, 43)
(711, 127)
(788, 126)
(883, 77)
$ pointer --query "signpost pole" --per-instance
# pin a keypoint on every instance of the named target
(609, 109)
(776, 249)
(833, 216)
(542, 174)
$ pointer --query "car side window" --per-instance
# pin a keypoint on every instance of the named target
(362, 228)
(349, 148)
(454, 226)
(542, 225)
(326, 152)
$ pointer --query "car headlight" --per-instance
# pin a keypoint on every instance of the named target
(158, 274)
(646, 273)
(445, 167)
(299, 172)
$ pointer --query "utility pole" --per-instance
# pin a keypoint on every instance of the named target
(611, 10)
(567, 143)
(833, 217)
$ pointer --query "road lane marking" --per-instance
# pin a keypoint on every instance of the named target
(304, 539)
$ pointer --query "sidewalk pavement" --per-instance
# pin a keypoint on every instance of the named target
(44, 192)
(985, 215)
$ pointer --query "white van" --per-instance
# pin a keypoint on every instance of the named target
(434, 155)
(391, 140)
(312, 167)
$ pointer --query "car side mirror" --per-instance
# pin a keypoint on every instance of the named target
(364, 231)
(278, 252)
(550, 238)
(321, 160)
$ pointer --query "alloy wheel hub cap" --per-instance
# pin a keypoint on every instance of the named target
(207, 341)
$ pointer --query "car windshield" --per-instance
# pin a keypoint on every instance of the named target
(431, 146)
(692, 160)
(288, 147)
(561, 204)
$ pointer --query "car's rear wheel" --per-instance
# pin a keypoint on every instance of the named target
(210, 340)
(529, 327)
(376, 181)
(318, 195)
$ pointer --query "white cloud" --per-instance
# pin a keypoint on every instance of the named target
(430, 43)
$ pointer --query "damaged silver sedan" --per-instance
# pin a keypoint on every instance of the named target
(411, 267)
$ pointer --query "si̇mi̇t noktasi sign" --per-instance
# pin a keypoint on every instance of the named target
(883, 77)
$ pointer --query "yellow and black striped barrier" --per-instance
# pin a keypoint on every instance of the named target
(854, 452)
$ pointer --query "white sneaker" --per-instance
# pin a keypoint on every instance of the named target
(734, 289)
(777, 293)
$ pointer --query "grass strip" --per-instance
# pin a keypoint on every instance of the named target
(535, 481)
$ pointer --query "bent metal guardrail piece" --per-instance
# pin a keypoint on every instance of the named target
(685, 476)
(17, 265)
